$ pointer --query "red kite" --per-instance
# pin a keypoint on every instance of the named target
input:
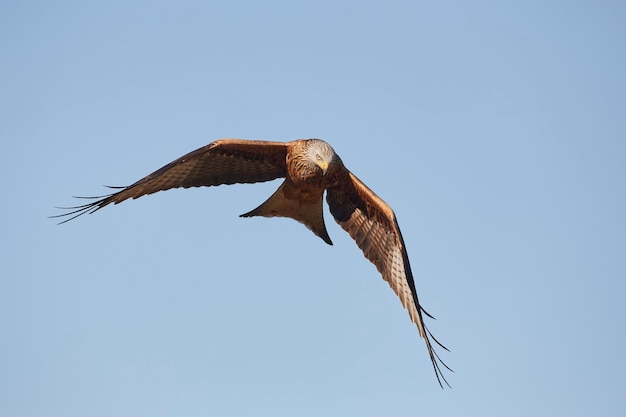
(309, 167)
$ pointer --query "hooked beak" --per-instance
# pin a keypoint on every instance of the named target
(323, 165)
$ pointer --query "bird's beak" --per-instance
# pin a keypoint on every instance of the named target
(323, 165)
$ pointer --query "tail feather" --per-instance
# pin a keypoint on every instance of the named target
(301, 207)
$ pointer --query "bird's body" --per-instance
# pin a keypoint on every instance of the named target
(300, 196)
(310, 168)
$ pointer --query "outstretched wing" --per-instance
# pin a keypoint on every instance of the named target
(225, 161)
(372, 224)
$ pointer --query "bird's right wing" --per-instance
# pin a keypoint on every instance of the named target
(225, 161)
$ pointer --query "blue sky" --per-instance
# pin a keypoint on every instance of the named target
(496, 131)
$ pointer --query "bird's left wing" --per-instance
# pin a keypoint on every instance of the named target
(225, 161)
(372, 224)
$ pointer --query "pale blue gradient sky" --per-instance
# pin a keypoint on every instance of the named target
(496, 130)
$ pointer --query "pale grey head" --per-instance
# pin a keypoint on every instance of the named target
(321, 154)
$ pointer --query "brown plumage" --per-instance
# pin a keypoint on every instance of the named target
(309, 167)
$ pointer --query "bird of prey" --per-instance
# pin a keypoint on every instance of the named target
(309, 168)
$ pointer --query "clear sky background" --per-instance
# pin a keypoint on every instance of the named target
(496, 131)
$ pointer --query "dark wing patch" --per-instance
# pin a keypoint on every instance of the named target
(226, 161)
(372, 224)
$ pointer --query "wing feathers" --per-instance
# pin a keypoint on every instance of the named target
(373, 226)
(226, 161)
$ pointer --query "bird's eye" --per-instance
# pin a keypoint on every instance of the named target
(318, 157)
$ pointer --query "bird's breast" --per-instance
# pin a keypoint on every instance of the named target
(303, 193)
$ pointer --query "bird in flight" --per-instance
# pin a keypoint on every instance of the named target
(309, 168)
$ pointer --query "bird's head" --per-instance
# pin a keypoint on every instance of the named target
(321, 154)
